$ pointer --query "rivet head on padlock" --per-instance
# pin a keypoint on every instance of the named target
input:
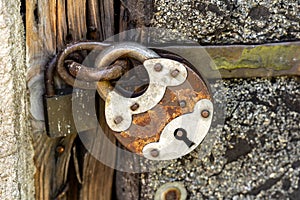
(182, 103)
(205, 113)
(134, 107)
(154, 153)
(158, 67)
(118, 119)
(175, 72)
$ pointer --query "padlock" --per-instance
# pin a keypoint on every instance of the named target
(172, 116)
(58, 107)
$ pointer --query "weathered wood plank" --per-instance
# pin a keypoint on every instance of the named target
(61, 24)
(107, 18)
(41, 40)
(76, 15)
(50, 25)
(93, 20)
(97, 177)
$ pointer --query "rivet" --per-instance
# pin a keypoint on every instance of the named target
(60, 149)
(205, 113)
(154, 153)
(158, 67)
(182, 103)
(134, 107)
(118, 120)
(174, 73)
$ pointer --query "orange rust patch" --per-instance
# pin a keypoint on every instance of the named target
(142, 119)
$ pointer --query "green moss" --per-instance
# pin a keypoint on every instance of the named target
(277, 57)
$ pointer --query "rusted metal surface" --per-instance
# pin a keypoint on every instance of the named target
(63, 55)
(81, 72)
(146, 127)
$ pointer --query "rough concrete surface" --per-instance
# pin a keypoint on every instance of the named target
(256, 154)
(16, 153)
(230, 21)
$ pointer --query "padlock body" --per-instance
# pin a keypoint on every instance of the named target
(59, 113)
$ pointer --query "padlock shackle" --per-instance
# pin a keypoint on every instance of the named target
(49, 77)
(62, 71)
(112, 53)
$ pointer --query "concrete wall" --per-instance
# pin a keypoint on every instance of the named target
(16, 153)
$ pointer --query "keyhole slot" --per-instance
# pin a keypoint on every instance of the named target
(181, 134)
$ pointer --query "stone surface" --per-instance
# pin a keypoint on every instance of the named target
(256, 153)
(16, 153)
(230, 21)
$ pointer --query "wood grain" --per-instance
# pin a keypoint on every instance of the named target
(50, 25)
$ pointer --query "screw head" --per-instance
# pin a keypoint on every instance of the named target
(158, 67)
(134, 107)
(205, 113)
(60, 149)
(182, 103)
(154, 153)
(118, 120)
(174, 73)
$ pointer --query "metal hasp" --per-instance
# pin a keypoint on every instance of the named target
(175, 99)
(243, 61)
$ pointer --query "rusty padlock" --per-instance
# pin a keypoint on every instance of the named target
(167, 121)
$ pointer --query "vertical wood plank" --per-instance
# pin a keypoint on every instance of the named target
(50, 25)
(51, 167)
(93, 20)
(76, 13)
(61, 24)
(107, 18)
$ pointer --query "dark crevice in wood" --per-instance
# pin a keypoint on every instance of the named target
(100, 28)
(73, 192)
(36, 15)
(117, 8)
(69, 37)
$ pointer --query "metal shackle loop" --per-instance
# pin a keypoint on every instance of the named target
(112, 53)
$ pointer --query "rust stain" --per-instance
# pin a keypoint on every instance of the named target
(142, 119)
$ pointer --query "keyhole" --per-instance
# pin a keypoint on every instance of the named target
(181, 134)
